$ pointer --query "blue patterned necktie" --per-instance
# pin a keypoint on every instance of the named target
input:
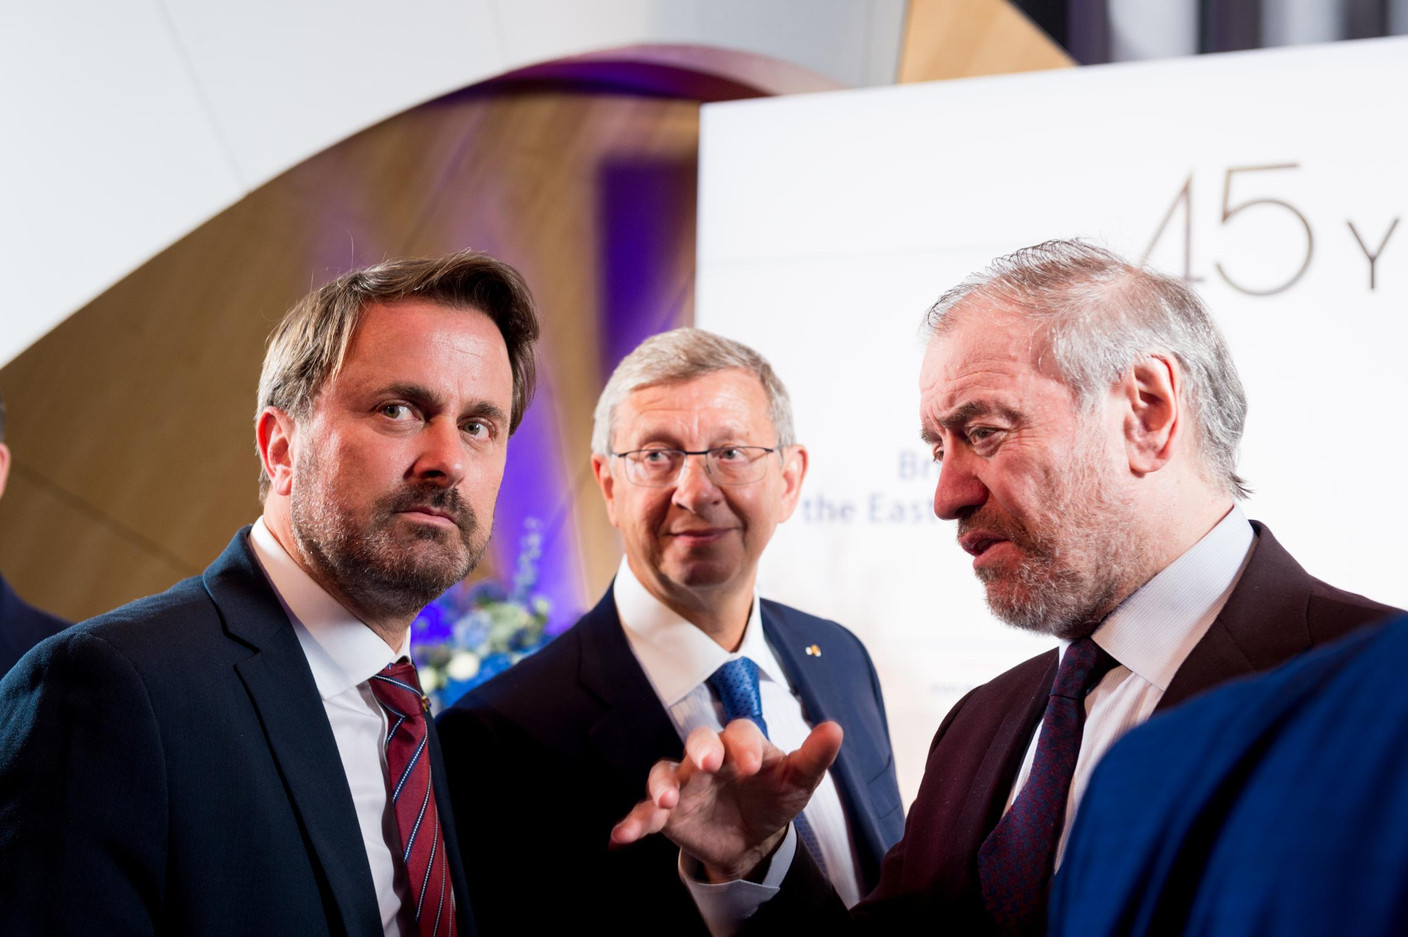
(1016, 860)
(736, 685)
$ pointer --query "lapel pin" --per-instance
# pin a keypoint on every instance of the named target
(813, 650)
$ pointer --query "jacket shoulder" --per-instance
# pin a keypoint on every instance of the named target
(149, 628)
(804, 624)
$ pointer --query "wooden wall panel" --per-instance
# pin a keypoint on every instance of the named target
(131, 423)
(967, 38)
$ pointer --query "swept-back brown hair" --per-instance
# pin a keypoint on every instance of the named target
(308, 346)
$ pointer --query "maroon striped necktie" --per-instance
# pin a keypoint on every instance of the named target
(431, 896)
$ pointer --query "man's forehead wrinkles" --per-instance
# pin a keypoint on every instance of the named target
(694, 423)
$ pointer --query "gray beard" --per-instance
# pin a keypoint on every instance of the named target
(1066, 586)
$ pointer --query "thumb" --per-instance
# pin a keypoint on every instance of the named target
(819, 749)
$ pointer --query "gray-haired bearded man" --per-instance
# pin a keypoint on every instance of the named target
(1087, 414)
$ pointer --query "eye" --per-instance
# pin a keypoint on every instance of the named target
(984, 440)
(730, 454)
(477, 429)
(655, 456)
(396, 411)
(938, 454)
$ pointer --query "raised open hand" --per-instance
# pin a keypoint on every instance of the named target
(728, 803)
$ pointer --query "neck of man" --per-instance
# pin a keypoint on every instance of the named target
(1173, 521)
(720, 611)
(391, 626)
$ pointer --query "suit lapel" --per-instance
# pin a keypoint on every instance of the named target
(1263, 623)
(281, 687)
(463, 913)
(811, 678)
(992, 782)
(809, 675)
(634, 732)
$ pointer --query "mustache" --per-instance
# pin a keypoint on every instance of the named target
(445, 500)
(1006, 527)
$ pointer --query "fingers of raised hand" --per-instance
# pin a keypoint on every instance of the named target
(819, 749)
(745, 747)
(645, 818)
(704, 749)
(650, 815)
(662, 785)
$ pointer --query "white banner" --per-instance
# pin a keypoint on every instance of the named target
(1275, 181)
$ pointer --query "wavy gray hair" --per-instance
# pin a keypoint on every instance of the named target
(1099, 314)
(682, 355)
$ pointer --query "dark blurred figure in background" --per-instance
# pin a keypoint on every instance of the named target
(21, 625)
(1276, 805)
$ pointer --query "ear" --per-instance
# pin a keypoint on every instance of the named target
(4, 466)
(1153, 420)
(274, 435)
(794, 471)
(601, 469)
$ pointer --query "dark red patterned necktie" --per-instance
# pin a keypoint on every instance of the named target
(1016, 860)
(431, 897)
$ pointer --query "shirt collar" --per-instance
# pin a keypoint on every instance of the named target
(1154, 630)
(342, 652)
(675, 655)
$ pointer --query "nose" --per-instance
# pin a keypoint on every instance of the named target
(959, 491)
(694, 488)
(440, 460)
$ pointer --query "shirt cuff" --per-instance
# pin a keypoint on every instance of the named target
(725, 906)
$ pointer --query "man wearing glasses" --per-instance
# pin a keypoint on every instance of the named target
(694, 451)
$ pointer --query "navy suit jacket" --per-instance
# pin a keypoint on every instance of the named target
(1277, 805)
(546, 758)
(929, 881)
(22, 626)
(168, 768)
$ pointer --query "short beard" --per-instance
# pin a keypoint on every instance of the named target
(1085, 560)
(383, 574)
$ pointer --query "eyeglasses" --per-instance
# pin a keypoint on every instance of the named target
(726, 465)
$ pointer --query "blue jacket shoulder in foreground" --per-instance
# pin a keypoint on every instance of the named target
(1275, 805)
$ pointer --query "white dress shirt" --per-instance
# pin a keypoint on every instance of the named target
(343, 654)
(1151, 634)
(678, 658)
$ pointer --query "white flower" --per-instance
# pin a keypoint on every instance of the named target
(463, 666)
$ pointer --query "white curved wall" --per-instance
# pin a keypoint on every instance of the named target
(126, 123)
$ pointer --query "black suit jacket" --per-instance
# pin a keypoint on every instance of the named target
(929, 880)
(168, 768)
(546, 758)
(22, 626)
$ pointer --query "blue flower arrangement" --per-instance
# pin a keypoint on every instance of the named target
(477, 630)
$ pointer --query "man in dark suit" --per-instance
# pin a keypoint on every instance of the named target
(695, 454)
(246, 752)
(1087, 414)
(21, 625)
(1277, 805)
